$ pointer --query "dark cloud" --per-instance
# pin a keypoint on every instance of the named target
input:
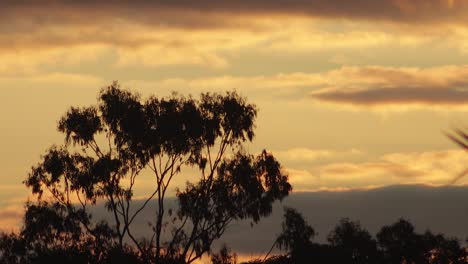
(205, 13)
(382, 86)
(440, 209)
(397, 95)
(38, 25)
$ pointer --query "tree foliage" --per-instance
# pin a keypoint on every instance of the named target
(355, 244)
(53, 232)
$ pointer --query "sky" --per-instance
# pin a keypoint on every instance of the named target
(352, 95)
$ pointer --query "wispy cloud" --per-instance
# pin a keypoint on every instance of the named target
(307, 154)
(431, 168)
(374, 86)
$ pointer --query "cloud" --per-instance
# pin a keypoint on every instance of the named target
(302, 154)
(65, 23)
(203, 13)
(205, 33)
(350, 37)
(398, 95)
(375, 86)
(121, 43)
(433, 167)
(156, 55)
(277, 85)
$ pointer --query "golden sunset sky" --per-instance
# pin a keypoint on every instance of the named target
(351, 94)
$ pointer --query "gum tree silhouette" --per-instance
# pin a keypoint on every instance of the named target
(110, 145)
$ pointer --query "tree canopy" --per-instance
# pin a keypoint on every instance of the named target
(108, 146)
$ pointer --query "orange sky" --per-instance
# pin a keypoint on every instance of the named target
(352, 94)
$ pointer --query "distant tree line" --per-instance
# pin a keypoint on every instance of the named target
(50, 233)
(350, 243)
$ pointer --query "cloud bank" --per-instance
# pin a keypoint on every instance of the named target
(195, 12)
(210, 33)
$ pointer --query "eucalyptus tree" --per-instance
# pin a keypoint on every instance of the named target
(108, 146)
